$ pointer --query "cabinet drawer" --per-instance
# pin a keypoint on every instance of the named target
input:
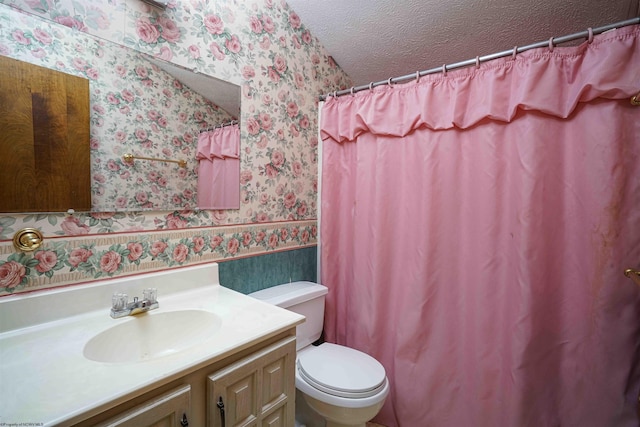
(171, 409)
(277, 418)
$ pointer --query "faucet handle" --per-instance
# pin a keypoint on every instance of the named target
(119, 301)
(150, 294)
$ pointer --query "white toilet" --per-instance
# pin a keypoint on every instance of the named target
(345, 386)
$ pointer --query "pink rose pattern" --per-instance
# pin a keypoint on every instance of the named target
(260, 45)
(110, 262)
(78, 256)
(47, 261)
(12, 275)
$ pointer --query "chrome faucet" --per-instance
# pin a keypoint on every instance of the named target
(121, 307)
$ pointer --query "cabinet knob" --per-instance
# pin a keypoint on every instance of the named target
(184, 422)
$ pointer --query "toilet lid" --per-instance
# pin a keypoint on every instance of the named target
(341, 371)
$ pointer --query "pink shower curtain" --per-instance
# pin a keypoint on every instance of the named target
(474, 232)
(219, 168)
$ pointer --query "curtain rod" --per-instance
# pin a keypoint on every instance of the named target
(232, 122)
(588, 34)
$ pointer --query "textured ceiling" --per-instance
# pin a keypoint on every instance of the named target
(373, 40)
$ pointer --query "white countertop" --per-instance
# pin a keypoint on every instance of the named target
(45, 379)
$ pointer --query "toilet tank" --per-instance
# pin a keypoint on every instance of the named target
(306, 298)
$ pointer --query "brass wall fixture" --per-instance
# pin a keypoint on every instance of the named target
(633, 275)
(635, 100)
(129, 158)
(27, 239)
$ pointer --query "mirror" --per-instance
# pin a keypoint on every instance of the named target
(138, 105)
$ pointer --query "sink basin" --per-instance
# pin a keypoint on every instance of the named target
(152, 335)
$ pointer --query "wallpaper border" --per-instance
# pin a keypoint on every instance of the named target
(79, 259)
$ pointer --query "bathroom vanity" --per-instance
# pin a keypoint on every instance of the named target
(208, 356)
(257, 389)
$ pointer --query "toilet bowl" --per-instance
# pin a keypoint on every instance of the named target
(344, 386)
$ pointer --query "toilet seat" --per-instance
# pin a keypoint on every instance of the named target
(341, 371)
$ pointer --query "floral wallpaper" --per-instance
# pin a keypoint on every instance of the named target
(260, 45)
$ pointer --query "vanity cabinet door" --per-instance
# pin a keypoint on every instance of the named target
(168, 410)
(258, 390)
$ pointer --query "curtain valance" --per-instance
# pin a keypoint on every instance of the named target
(549, 81)
(219, 168)
(219, 143)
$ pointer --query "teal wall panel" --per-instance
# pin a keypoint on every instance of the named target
(252, 274)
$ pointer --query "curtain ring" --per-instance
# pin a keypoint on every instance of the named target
(389, 82)
(551, 44)
(371, 86)
(590, 39)
(515, 52)
(352, 88)
(477, 62)
(444, 69)
(417, 76)
(635, 100)
(335, 93)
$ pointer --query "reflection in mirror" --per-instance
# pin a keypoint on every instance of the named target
(224, 94)
(153, 114)
(148, 109)
(219, 164)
